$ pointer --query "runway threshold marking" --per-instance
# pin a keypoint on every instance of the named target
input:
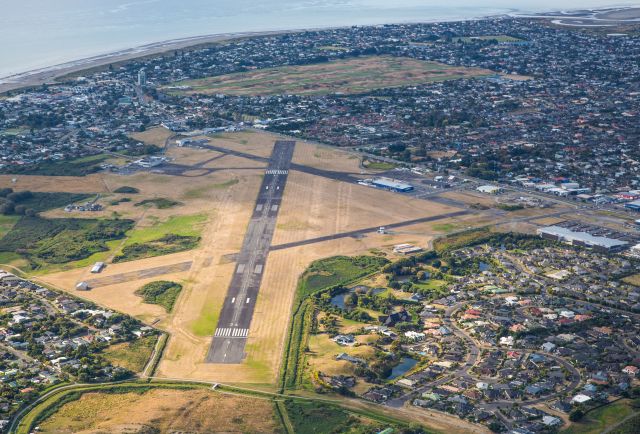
(234, 321)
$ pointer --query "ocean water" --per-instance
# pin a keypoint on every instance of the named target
(40, 33)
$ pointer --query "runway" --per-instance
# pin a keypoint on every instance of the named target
(360, 232)
(139, 274)
(231, 334)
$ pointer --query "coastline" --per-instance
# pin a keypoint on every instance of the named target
(37, 77)
(49, 74)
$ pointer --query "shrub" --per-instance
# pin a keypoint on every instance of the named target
(162, 292)
(126, 190)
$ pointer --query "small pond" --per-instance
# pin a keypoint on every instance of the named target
(338, 299)
(405, 365)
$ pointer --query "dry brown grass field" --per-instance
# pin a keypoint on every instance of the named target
(121, 296)
(546, 221)
(164, 411)
(71, 184)
(355, 75)
(154, 136)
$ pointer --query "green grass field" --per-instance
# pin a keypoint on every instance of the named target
(207, 321)
(187, 225)
(47, 201)
(160, 203)
(78, 167)
(59, 242)
(315, 418)
(634, 279)
(445, 227)
(352, 75)
(7, 222)
(200, 192)
(379, 165)
(431, 284)
(164, 245)
(131, 355)
(630, 426)
(597, 420)
(336, 270)
(497, 38)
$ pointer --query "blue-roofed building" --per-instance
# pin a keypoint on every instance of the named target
(635, 205)
(390, 184)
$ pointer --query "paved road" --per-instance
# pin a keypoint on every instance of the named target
(339, 176)
(139, 274)
(231, 334)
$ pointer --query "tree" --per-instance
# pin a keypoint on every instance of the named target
(576, 415)
(413, 428)
(20, 209)
(495, 426)
(7, 208)
(351, 300)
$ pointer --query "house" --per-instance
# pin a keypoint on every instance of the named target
(344, 340)
(394, 318)
(562, 406)
(551, 421)
(350, 359)
(507, 341)
(482, 385)
(414, 335)
(406, 382)
(548, 347)
(580, 399)
(631, 370)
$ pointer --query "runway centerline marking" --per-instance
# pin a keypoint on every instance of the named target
(234, 322)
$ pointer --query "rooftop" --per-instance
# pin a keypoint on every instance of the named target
(584, 237)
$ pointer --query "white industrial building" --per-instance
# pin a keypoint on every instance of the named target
(578, 238)
(489, 189)
(97, 267)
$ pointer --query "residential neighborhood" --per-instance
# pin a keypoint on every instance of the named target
(511, 342)
(47, 337)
